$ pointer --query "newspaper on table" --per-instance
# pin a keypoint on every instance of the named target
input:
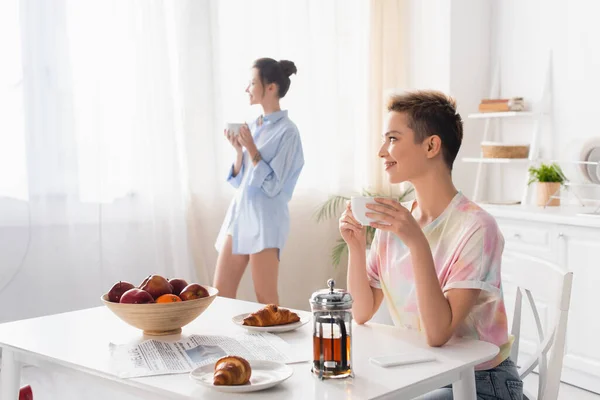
(155, 357)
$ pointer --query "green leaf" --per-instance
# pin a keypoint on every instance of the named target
(338, 251)
(370, 234)
(406, 193)
(331, 208)
(546, 173)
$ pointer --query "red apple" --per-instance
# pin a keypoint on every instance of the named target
(115, 293)
(136, 296)
(26, 393)
(193, 291)
(178, 285)
(156, 285)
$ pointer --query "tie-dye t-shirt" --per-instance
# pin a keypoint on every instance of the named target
(466, 245)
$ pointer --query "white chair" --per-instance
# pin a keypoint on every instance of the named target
(535, 278)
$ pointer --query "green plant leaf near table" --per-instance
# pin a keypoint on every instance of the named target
(546, 173)
(333, 208)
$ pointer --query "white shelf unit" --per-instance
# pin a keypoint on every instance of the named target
(572, 184)
(503, 114)
(540, 110)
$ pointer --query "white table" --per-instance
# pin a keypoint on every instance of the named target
(77, 343)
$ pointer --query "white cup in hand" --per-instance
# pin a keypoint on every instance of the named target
(234, 127)
(359, 208)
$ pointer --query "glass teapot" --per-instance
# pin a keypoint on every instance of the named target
(332, 332)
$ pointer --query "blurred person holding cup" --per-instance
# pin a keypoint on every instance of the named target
(269, 159)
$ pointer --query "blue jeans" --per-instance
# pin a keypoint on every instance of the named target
(500, 383)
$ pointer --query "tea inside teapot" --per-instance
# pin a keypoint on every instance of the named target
(332, 332)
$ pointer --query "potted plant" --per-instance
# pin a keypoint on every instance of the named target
(333, 207)
(549, 178)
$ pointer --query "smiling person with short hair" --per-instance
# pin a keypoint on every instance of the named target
(436, 261)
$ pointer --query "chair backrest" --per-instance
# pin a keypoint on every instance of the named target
(535, 278)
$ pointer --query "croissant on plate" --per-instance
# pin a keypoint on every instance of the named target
(271, 315)
(232, 370)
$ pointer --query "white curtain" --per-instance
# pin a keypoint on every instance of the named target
(388, 74)
(328, 42)
(113, 160)
(92, 124)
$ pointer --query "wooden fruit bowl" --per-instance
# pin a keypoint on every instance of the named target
(164, 318)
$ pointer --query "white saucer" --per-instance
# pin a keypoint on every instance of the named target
(239, 320)
(265, 374)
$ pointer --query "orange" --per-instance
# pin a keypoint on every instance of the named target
(168, 298)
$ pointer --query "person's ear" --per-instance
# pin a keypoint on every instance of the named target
(433, 146)
(276, 90)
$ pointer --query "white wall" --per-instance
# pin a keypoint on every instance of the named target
(449, 50)
(428, 34)
(469, 71)
(525, 31)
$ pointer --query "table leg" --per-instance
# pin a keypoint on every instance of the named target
(10, 376)
(464, 389)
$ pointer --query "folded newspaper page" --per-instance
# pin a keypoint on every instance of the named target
(155, 357)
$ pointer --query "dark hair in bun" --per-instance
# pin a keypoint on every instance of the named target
(288, 67)
(278, 72)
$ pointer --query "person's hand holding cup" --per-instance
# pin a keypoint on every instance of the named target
(232, 134)
(360, 209)
(352, 231)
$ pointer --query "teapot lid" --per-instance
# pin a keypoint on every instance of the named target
(331, 299)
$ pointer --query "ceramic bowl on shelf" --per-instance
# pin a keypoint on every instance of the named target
(161, 318)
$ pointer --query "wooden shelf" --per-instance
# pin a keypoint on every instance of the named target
(503, 114)
(495, 160)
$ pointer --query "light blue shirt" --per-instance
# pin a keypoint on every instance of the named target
(258, 216)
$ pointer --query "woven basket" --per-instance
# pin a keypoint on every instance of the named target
(500, 150)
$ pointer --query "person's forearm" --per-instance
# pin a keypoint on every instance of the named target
(358, 285)
(435, 311)
(254, 156)
(237, 165)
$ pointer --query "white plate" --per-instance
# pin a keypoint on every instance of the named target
(265, 374)
(585, 153)
(592, 169)
(239, 320)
